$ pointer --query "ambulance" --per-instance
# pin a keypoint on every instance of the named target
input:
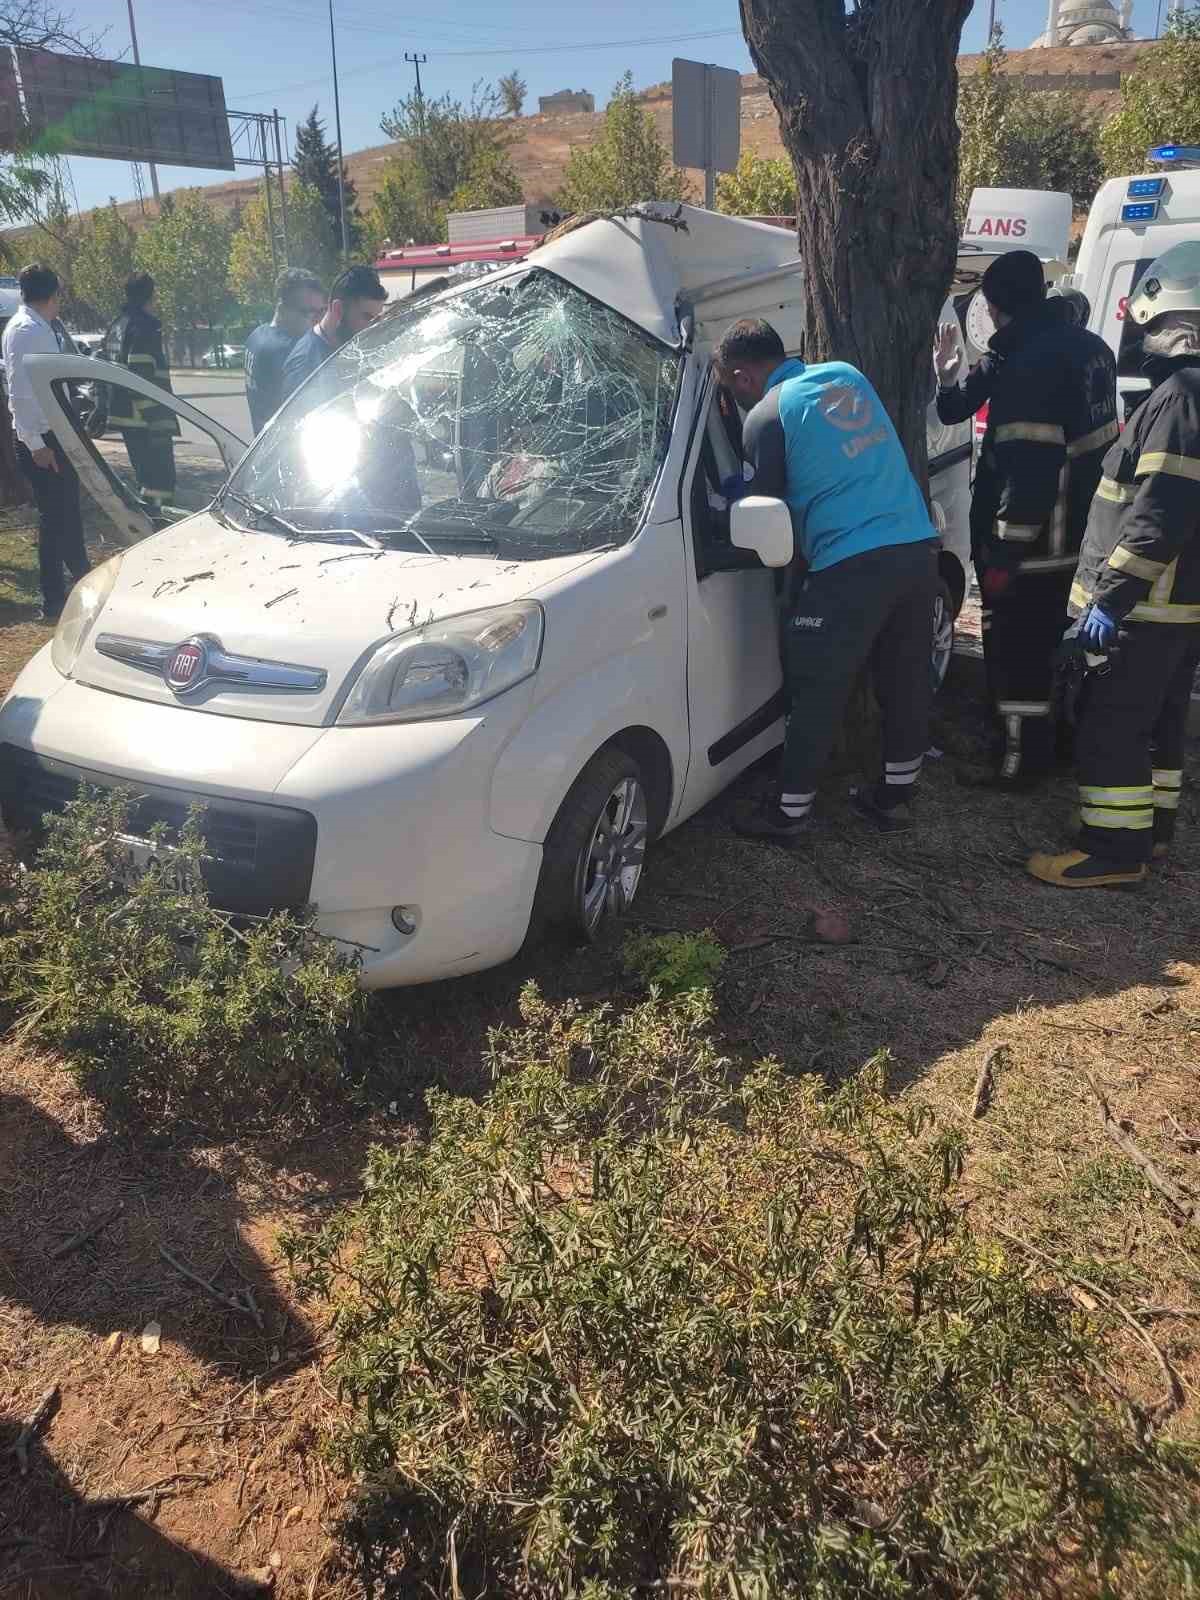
(1132, 222)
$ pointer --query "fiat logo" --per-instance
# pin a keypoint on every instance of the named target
(185, 667)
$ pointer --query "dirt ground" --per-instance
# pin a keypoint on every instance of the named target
(195, 1470)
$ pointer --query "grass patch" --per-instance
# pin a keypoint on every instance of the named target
(638, 1324)
(673, 963)
(163, 1006)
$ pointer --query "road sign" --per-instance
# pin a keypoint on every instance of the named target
(706, 119)
(74, 105)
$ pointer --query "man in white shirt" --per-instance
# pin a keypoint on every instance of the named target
(30, 332)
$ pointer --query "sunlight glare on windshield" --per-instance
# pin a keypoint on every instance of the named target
(331, 447)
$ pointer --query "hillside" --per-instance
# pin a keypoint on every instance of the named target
(544, 142)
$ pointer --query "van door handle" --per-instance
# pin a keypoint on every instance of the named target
(655, 612)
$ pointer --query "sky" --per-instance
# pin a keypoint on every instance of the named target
(274, 54)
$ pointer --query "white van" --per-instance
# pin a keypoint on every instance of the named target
(1131, 222)
(464, 629)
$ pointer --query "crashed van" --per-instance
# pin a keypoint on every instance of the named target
(464, 630)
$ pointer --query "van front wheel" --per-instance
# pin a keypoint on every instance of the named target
(595, 851)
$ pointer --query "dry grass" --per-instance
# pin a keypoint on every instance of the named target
(957, 952)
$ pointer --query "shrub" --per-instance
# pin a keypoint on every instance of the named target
(630, 1327)
(162, 1004)
(673, 963)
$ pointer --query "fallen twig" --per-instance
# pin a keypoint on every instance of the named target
(1187, 1208)
(1173, 1401)
(152, 1492)
(985, 1083)
(1185, 1140)
(244, 1305)
(39, 1417)
(90, 1232)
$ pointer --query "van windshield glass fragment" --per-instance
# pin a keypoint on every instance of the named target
(519, 417)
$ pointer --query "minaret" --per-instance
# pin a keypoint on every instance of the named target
(1052, 24)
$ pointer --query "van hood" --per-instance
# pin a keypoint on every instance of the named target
(310, 604)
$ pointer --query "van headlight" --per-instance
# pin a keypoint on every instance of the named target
(447, 667)
(84, 604)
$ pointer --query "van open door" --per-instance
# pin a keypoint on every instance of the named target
(204, 454)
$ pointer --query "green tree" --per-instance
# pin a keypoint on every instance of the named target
(405, 210)
(1160, 101)
(1015, 140)
(186, 250)
(760, 186)
(513, 89)
(453, 156)
(628, 162)
(491, 181)
(252, 269)
(315, 163)
(106, 257)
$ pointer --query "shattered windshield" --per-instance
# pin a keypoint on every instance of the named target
(519, 416)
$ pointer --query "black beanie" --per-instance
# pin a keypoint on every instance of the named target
(1015, 282)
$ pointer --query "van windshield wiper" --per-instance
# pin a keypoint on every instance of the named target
(292, 529)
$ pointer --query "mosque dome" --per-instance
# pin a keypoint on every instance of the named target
(1086, 22)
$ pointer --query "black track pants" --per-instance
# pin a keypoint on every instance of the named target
(1129, 747)
(1021, 633)
(152, 457)
(876, 607)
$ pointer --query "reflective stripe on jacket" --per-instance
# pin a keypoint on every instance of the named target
(1052, 416)
(135, 341)
(1141, 556)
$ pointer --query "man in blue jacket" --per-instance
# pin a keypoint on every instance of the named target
(861, 587)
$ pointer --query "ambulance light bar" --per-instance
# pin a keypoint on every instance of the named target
(1145, 188)
(1174, 155)
(1140, 211)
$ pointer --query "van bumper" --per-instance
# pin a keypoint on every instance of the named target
(358, 821)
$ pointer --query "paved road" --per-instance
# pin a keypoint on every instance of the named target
(222, 396)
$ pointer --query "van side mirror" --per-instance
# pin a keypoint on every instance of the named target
(763, 525)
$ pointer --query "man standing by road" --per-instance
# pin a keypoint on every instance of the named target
(1053, 413)
(355, 301)
(862, 584)
(1137, 595)
(135, 340)
(299, 301)
(30, 332)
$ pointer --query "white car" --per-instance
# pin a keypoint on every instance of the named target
(225, 356)
(464, 630)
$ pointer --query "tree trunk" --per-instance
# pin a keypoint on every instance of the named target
(866, 102)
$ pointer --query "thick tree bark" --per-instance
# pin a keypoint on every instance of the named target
(866, 102)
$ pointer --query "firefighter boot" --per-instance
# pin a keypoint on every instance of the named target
(1074, 869)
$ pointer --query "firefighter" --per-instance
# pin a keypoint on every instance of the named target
(135, 340)
(1137, 600)
(1053, 413)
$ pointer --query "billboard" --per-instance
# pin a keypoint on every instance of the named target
(77, 106)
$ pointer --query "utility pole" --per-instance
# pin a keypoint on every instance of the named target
(417, 61)
(137, 61)
(991, 33)
(337, 123)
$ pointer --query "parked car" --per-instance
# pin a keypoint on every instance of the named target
(225, 355)
(464, 630)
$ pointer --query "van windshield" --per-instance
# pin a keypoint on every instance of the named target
(519, 417)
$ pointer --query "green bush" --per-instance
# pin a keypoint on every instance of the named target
(631, 1327)
(163, 1005)
(673, 963)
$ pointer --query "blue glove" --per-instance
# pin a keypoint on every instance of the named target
(1098, 630)
(734, 487)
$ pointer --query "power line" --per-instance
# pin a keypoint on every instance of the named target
(508, 50)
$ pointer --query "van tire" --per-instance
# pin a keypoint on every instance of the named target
(577, 846)
(943, 633)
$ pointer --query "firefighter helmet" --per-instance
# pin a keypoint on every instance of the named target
(1172, 283)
